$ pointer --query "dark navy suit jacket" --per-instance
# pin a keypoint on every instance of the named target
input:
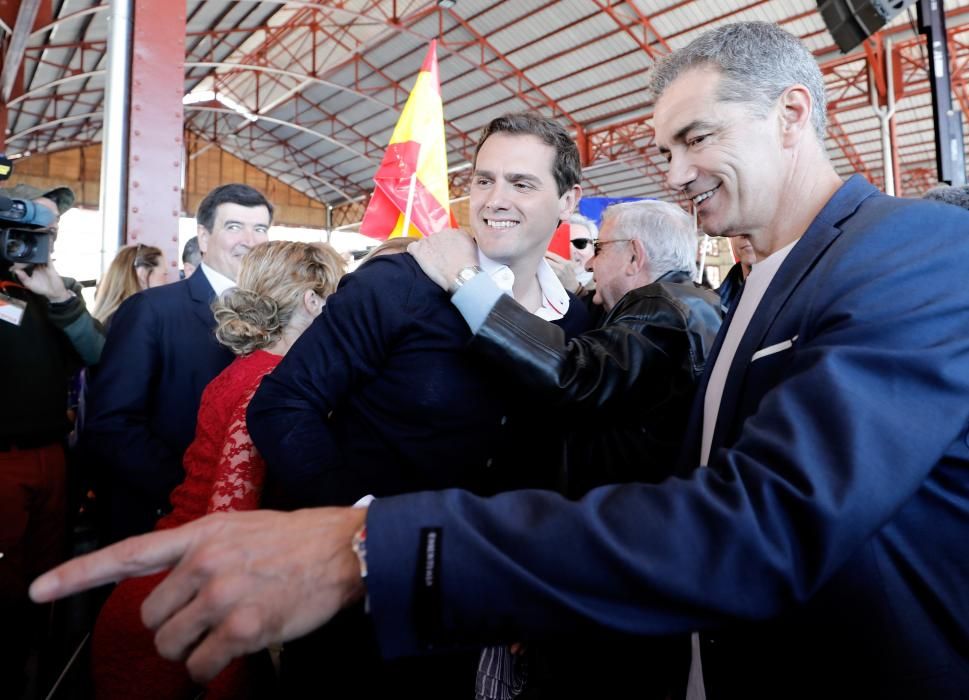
(823, 549)
(160, 353)
(380, 397)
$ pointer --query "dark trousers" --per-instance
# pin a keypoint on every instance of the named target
(32, 531)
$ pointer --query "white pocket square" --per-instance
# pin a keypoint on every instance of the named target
(771, 349)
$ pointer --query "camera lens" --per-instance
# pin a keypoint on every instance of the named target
(16, 248)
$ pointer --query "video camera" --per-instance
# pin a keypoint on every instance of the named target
(28, 241)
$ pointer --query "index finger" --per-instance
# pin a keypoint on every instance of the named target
(136, 556)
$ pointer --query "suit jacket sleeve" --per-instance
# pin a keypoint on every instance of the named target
(594, 369)
(118, 430)
(288, 417)
(827, 461)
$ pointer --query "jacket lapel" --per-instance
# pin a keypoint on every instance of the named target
(202, 295)
(819, 236)
(690, 453)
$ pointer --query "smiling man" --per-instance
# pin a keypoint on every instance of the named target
(380, 397)
(160, 353)
(821, 544)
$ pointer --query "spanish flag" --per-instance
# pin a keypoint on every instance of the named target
(411, 193)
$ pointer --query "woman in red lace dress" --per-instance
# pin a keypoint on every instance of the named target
(282, 288)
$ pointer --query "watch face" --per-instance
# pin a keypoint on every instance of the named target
(463, 276)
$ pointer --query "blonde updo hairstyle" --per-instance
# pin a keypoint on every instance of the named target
(272, 282)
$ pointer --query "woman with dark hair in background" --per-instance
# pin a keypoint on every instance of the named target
(283, 286)
(134, 268)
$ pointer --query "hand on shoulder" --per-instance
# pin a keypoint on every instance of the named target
(444, 254)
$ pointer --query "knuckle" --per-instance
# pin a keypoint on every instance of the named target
(168, 645)
(243, 627)
(218, 594)
(208, 560)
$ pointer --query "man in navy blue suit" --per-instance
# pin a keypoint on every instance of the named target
(160, 353)
(821, 546)
(380, 397)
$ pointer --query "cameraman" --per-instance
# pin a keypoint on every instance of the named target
(46, 337)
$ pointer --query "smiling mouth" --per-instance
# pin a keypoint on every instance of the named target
(704, 196)
(501, 224)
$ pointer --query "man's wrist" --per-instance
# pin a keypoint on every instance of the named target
(62, 298)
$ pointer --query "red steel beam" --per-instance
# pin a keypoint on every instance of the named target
(155, 127)
(643, 22)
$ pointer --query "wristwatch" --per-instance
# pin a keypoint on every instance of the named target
(359, 546)
(465, 275)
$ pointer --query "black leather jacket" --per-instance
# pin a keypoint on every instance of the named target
(630, 382)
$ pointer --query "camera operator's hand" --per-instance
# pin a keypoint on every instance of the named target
(45, 281)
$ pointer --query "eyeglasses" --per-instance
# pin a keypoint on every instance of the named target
(581, 243)
(597, 245)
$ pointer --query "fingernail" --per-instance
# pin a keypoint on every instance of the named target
(43, 588)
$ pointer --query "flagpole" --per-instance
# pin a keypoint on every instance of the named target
(410, 203)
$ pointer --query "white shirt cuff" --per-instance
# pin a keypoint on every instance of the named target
(475, 299)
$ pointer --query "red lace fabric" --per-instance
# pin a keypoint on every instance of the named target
(223, 471)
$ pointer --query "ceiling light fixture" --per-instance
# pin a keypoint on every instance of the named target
(446, 3)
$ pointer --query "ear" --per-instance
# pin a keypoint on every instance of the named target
(794, 107)
(312, 303)
(569, 201)
(203, 234)
(637, 257)
(142, 274)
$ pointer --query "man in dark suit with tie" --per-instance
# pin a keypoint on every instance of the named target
(160, 353)
(821, 545)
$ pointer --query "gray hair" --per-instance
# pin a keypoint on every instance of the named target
(667, 232)
(949, 194)
(580, 220)
(757, 62)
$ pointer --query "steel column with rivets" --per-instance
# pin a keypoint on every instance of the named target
(156, 151)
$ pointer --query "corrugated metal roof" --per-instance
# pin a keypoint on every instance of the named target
(327, 83)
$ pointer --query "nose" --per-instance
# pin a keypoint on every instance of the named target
(249, 236)
(589, 263)
(498, 196)
(681, 173)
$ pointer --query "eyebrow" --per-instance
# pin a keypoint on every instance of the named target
(511, 177)
(241, 223)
